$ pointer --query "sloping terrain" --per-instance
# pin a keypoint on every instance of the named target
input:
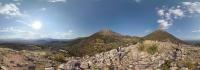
(150, 55)
(161, 35)
(99, 51)
(101, 41)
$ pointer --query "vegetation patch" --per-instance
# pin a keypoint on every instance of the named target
(59, 57)
(166, 65)
(152, 49)
(141, 47)
(189, 64)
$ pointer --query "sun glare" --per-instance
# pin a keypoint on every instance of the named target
(36, 25)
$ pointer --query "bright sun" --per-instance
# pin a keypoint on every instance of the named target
(36, 25)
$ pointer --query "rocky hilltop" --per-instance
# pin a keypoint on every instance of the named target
(105, 50)
(151, 55)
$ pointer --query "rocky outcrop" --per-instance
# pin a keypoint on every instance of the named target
(168, 57)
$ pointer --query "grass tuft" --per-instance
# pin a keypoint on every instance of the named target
(152, 49)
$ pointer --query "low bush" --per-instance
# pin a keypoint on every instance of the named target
(166, 65)
(60, 57)
(190, 65)
(141, 47)
(152, 49)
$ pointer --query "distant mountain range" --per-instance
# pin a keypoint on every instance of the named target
(27, 41)
(101, 41)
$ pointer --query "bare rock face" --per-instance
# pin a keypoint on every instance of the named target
(3, 68)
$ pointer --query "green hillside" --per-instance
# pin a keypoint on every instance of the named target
(101, 41)
(161, 35)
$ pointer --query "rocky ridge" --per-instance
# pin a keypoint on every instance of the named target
(168, 56)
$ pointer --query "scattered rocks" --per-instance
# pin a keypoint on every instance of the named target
(3, 68)
(127, 58)
(50, 68)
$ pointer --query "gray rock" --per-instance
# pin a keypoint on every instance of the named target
(50, 68)
(3, 68)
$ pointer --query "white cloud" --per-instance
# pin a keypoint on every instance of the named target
(11, 29)
(54, 1)
(196, 31)
(176, 12)
(192, 7)
(164, 24)
(161, 12)
(10, 10)
(18, 2)
(183, 10)
(167, 16)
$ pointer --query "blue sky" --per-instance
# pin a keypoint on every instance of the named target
(67, 19)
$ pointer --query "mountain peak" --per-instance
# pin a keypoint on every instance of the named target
(107, 32)
(162, 35)
(160, 30)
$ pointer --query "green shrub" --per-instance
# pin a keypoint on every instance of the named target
(190, 65)
(141, 47)
(166, 65)
(59, 57)
(152, 49)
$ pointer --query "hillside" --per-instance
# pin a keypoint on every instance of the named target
(150, 55)
(161, 35)
(154, 56)
(101, 41)
(162, 54)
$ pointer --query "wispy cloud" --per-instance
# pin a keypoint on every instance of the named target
(17, 33)
(192, 7)
(11, 29)
(29, 34)
(63, 35)
(164, 24)
(10, 10)
(43, 9)
(169, 14)
(137, 1)
(196, 31)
